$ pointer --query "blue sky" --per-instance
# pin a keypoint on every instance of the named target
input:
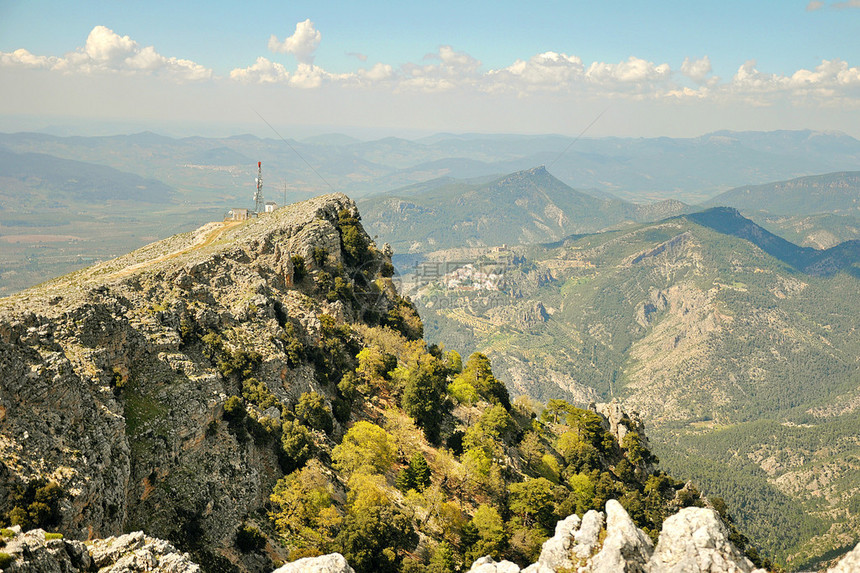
(661, 68)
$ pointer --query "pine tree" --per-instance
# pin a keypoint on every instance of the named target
(420, 471)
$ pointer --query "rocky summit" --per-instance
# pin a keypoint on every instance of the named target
(112, 405)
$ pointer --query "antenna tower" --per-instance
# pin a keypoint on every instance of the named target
(259, 203)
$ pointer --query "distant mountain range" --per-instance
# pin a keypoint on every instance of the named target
(39, 179)
(828, 193)
(634, 169)
(529, 206)
(168, 185)
(818, 211)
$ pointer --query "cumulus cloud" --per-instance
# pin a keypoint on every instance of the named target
(634, 70)
(814, 5)
(262, 72)
(454, 69)
(105, 51)
(547, 71)
(379, 72)
(23, 58)
(696, 70)
(309, 76)
(302, 44)
(832, 82)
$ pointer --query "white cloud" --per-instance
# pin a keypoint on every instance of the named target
(357, 55)
(696, 70)
(634, 70)
(829, 79)
(302, 44)
(455, 69)
(546, 71)
(262, 72)
(688, 93)
(105, 51)
(827, 73)
(848, 4)
(23, 58)
(814, 5)
(833, 82)
(379, 72)
(309, 76)
(105, 45)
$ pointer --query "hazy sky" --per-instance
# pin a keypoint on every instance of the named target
(676, 68)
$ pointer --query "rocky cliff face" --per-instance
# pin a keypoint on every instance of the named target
(113, 380)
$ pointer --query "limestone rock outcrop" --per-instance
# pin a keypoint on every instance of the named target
(331, 563)
(489, 565)
(692, 541)
(626, 547)
(848, 564)
(32, 552)
(695, 539)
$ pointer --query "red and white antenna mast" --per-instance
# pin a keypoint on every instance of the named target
(259, 204)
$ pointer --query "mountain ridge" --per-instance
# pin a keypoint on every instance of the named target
(533, 202)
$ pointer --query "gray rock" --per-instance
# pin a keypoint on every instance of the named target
(130, 553)
(136, 552)
(33, 554)
(555, 553)
(694, 539)
(848, 564)
(588, 534)
(626, 548)
(331, 563)
(487, 564)
(620, 421)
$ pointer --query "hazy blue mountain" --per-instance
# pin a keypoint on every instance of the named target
(817, 211)
(525, 207)
(635, 169)
(827, 193)
(37, 177)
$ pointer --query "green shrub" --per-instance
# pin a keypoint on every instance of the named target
(258, 393)
(299, 270)
(49, 536)
(320, 256)
(312, 410)
(234, 409)
(5, 560)
(296, 446)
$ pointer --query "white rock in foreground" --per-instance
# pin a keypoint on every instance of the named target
(331, 563)
(130, 553)
(489, 565)
(626, 547)
(849, 564)
(695, 539)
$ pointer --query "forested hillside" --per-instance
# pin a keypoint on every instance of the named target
(744, 362)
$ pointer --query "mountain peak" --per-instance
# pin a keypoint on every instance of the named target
(298, 228)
